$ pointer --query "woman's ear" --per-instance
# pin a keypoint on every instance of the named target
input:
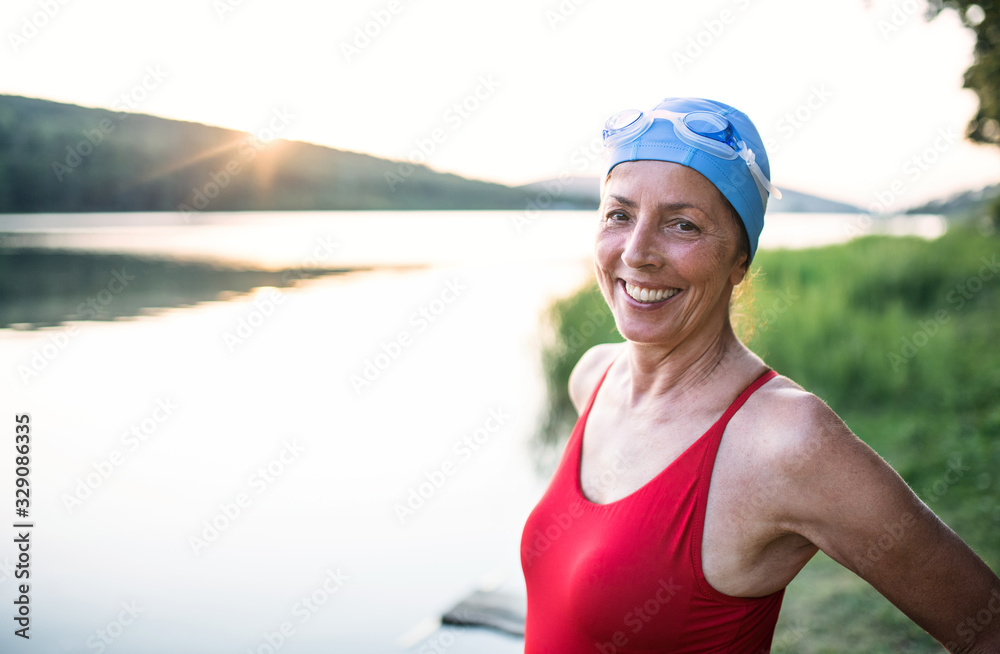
(740, 269)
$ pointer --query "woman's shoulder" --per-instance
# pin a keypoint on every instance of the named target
(795, 427)
(588, 370)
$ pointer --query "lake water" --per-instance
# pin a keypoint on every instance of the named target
(282, 239)
(340, 458)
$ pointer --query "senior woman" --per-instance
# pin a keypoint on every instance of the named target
(697, 481)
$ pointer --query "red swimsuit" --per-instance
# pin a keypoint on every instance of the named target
(626, 577)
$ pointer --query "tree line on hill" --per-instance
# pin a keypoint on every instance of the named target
(59, 158)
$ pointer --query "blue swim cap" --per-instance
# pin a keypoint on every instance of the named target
(671, 132)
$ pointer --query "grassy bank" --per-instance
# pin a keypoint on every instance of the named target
(900, 337)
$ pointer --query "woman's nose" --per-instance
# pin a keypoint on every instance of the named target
(642, 248)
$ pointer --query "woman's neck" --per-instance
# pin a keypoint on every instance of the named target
(682, 370)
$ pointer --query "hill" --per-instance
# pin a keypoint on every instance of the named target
(58, 157)
(798, 202)
(967, 202)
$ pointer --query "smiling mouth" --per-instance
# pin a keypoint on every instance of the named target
(648, 295)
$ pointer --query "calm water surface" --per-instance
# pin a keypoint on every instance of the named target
(279, 239)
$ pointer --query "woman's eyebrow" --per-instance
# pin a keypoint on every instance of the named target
(677, 206)
(623, 200)
(665, 206)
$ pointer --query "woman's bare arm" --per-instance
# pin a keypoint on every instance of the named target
(843, 497)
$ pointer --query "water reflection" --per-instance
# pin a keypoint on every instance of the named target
(40, 288)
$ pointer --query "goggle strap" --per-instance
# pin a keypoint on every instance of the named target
(762, 180)
(764, 185)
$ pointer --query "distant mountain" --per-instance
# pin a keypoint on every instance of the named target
(798, 202)
(58, 157)
(960, 203)
(565, 192)
(574, 190)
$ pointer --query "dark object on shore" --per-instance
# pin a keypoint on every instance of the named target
(495, 610)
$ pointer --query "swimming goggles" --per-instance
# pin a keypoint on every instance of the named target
(708, 131)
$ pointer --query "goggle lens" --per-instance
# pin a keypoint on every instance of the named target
(710, 126)
(623, 119)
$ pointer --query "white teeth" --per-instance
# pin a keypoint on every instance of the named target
(647, 295)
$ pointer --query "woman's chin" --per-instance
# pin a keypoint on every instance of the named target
(640, 333)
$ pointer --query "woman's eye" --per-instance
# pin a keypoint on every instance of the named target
(616, 216)
(685, 226)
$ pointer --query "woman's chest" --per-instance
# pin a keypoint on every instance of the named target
(707, 496)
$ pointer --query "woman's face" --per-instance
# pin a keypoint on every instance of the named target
(666, 234)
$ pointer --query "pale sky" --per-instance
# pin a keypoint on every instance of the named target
(877, 91)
